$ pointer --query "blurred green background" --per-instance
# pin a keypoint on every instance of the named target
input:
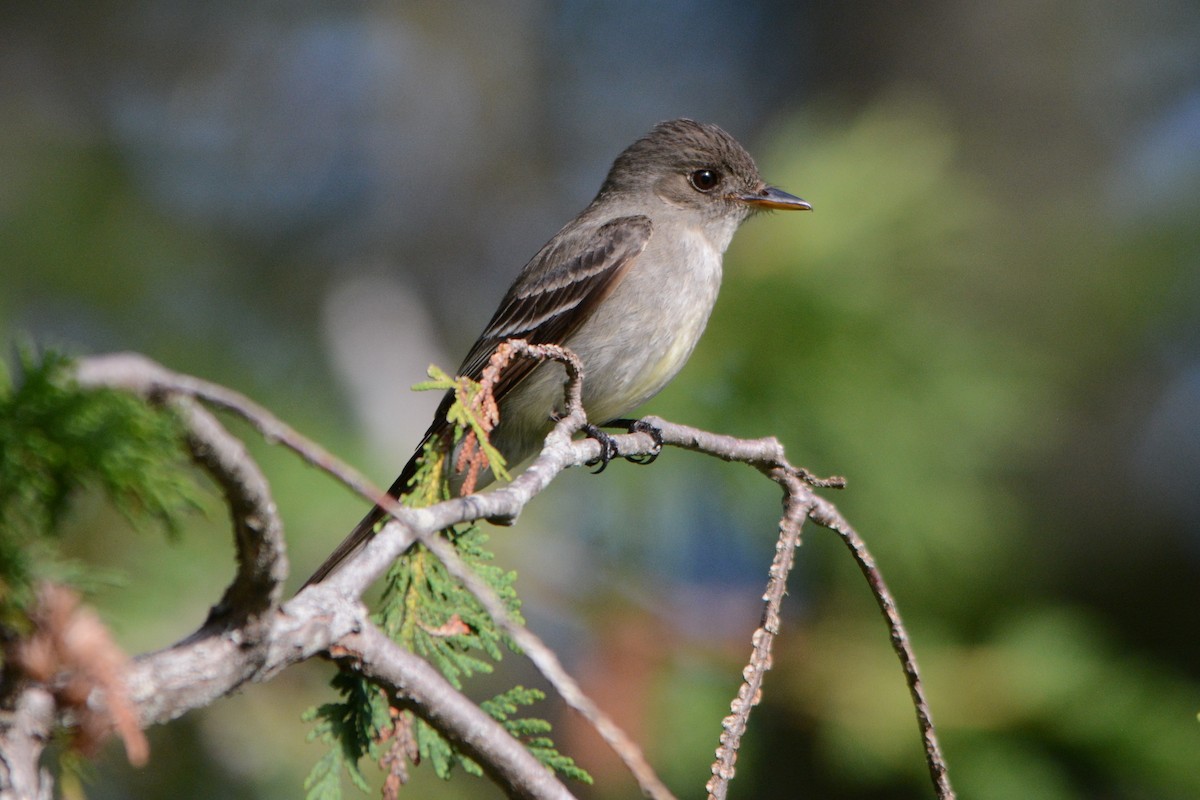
(988, 324)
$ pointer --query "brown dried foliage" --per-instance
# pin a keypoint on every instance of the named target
(71, 653)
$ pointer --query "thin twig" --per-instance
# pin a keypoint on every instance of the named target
(767, 456)
(796, 503)
(142, 375)
(828, 517)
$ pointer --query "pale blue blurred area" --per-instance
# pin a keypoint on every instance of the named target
(989, 323)
(1162, 168)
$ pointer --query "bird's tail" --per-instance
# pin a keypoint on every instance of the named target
(440, 430)
(365, 529)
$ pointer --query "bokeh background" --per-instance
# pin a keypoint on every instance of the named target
(989, 324)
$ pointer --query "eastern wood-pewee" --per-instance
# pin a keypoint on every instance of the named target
(628, 285)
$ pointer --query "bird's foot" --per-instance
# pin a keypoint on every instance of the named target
(642, 426)
(608, 448)
(608, 445)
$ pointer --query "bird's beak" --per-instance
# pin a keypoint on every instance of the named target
(770, 197)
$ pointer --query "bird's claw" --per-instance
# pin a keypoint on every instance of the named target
(608, 448)
(655, 434)
(608, 445)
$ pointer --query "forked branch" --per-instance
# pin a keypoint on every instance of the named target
(327, 619)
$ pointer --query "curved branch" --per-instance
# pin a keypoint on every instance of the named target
(934, 760)
(258, 531)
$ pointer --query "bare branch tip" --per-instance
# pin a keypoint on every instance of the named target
(832, 482)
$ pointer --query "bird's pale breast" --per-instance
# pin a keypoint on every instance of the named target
(634, 344)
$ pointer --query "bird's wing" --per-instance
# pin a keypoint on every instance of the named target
(552, 300)
(546, 305)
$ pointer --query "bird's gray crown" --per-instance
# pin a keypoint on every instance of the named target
(680, 146)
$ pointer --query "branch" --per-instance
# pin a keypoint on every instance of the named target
(250, 636)
(219, 657)
(559, 452)
(318, 622)
(797, 504)
(22, 738)
(258, 531)
(505, 760)
(934, 760)
(767, 456)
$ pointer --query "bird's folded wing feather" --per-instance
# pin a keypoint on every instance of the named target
(555, 296)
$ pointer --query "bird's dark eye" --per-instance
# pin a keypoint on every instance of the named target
(705, 180)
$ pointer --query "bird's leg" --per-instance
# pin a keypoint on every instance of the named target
(608, 447)
(641, 426)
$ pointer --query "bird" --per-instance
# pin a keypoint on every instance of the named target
(627, 285)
